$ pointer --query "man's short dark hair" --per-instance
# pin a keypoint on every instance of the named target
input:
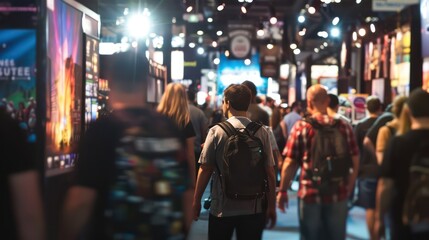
(124, 70)
(334, 102)
(373, 104)
(191, 95)
(418, 103)
(238, 96)
(251, 86)
(295, 104)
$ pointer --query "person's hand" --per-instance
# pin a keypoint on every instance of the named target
(196, 209)
(282, 201)
(379, 229)
(271, 218)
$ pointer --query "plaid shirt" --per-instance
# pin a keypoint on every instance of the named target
(298, 147)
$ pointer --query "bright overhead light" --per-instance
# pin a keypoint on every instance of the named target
(248, 1)
(323, 34)
(260, 32)
(362, 32)
(335, 21)
(243, 9)
(189, 9)
(191, 45)
(302, 32)
(226, 53)
(311, 10)
(316, 50)
(358, 45)
(358, 1)
(126, 11)
(214, 44)
(210, 19)
(200, 50)
(136, 21)
(296, 51)
(247, 62)
(372, 27)
(293, 46)
(325, 44)
(216, 61)
(335, 32)
(221, 7)
(219, 33)
(199, 32)
(301, 19)
(354, 36)
(270, 46)
(273, 20)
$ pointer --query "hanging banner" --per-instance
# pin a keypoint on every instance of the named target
(391, 5)
(240, 35)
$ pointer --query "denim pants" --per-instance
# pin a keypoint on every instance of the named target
(247, 227)
(322, 221)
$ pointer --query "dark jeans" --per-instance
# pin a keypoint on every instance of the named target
(322, 221)
(247, 227)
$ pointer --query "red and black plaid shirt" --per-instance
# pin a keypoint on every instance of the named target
(298, 147)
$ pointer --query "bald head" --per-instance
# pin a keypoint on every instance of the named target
(317, 99)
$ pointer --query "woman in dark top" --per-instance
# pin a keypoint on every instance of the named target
(174, 105)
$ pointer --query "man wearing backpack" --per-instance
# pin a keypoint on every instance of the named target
(132, 179)
(238, 156)
(403, 188)
(327, 153)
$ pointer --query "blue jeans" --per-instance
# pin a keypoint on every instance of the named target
(322, 221)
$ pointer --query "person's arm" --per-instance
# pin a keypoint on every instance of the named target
(27, 205)
(76, 212)
(354, 174)
(383, 202)
(203, 179)
(190, 156)
(368, 144)
(271, 210)
(382, 139)
(288, 172)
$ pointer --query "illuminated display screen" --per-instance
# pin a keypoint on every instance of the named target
(18, 77)
(64, 85)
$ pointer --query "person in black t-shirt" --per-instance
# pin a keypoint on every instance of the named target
(395, 173)
(368, 168)
(132, 179)
(21, 215)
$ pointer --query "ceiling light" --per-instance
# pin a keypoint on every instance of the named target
(226, 53)
(189, 9)
(372, 27)
(325, 44)
(335, 32)
(243, 9)
(311, 10)
(323, 34)
(221, 7)
(219, 33)
(362, 32)
(358, 1)
(358, 45)
(247, 62)
(199, 32)
(136, 21)
(296, 51)
(126, 11)
(270, 46)
(260, 32)
(182, 35)
(322, 47)
(316, 50)
(273, 20)
(302, 32)
(210, 19)
(354, 36)
(301, 19)
(216, 61)
(335, 21)
(248, 1)
(293, 46)
(240, 1)
(191, 45)
(214, 44)
(200, 50)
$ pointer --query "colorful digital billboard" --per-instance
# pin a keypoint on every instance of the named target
(18, 76)
(64, 85)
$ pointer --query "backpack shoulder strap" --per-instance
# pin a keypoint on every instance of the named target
(313, 122)
(227, 127)
(253, 127)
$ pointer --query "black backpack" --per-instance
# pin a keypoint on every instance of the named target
(416, 205)
(243, 176)
(330, 155)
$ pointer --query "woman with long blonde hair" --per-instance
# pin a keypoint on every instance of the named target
(174, 105)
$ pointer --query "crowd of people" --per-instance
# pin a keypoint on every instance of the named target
(157, 165)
